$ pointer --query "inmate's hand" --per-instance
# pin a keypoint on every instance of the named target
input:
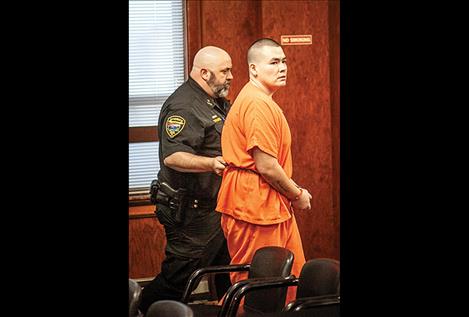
(304, 202)
(218, 165)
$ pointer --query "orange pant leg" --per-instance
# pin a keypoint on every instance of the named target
(293, 243)
(244, 239)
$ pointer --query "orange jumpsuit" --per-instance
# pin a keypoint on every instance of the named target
(254, 214)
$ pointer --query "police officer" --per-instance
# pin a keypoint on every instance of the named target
(189, 130)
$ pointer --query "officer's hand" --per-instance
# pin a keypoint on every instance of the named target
(304, 202)
(218, 165)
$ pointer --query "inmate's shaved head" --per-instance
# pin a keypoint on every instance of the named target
(255, 48)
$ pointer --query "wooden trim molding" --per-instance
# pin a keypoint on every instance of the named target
(141, 198)
(145, 215)
(143, 211)
(143, 134)
(194, 30)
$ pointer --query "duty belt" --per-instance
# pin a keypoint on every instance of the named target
(177, 199)
(200, 203)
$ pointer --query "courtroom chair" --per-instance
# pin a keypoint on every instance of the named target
(317, 306)
(169, 308)
(318, 277)
(135, 293)
(319, 280)
(267, 263)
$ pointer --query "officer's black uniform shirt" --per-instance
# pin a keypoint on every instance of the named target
(191, 121)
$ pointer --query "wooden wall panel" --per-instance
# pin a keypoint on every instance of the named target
(306, 101)
(334, 54)
(193, 20)
(230, 25)
(146, 242)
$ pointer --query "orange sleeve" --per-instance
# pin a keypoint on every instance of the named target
(260, 128)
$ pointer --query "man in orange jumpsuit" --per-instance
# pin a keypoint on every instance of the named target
(257, 193)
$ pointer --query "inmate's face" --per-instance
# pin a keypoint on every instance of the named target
(220, 78)
(271, 66)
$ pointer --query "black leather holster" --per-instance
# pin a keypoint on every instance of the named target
(164, 194)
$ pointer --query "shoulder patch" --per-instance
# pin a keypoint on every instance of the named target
(174, 125)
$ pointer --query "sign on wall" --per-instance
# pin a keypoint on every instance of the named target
(296, 39)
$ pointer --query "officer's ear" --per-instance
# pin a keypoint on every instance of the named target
(205, 74)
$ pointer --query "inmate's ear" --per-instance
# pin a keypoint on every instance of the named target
(252, 69)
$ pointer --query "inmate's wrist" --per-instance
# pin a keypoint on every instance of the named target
(297, 197)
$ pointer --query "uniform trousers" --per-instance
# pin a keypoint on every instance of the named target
(197, 242)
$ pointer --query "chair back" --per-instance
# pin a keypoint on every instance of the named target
(271, 261)
(135, 293)
(319, 277)
(169, 308)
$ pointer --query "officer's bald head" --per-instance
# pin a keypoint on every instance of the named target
(209, 57)
(212, 71)
(255, 50)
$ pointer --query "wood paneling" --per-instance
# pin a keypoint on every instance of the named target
(143, 134)
(230, 25)
(193, 31)
(310, 102)
(146, 243)
(334, 53)
(308, 107)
